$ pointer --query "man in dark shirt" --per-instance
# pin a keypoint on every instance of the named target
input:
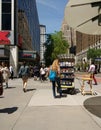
(24, 73)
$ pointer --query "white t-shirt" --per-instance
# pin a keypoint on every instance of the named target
(42, 71)
(92, 68)
(11, 69)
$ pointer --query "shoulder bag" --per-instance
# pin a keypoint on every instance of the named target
(52, 75)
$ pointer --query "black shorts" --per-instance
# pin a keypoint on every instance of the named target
(25, 77)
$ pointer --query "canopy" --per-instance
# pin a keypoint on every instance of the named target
(84, 16)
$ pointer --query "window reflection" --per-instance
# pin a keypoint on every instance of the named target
(6, 14)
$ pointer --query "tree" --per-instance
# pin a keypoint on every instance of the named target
(93, 53)
(60, 44)
(55, 45)
(48, 52)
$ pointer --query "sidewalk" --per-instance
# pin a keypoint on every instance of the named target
(37, 109)
(81, 73)
(98, 78)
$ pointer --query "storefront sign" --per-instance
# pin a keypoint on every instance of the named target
(27, 55)
(4, 38)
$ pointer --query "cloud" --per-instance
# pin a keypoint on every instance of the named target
(47, 3)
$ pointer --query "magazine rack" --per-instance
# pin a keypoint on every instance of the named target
(67, 74)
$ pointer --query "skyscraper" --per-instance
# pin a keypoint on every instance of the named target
(30, 10)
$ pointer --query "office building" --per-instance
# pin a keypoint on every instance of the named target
(70, 36)
(42, 42)
(82, 41)
(19, 32)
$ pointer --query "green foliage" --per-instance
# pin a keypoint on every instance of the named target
(93, 53)
(60, 45)
(48, 52)
(55, 45)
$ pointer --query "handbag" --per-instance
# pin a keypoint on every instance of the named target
(52, 75)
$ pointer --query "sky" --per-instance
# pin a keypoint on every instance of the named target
(51, 14)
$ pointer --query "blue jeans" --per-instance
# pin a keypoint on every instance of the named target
(57, 80)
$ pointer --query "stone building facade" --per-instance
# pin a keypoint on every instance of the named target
(82, 41)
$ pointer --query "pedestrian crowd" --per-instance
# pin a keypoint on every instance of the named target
(37, 72)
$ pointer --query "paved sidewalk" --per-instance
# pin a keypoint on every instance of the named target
(37, 109)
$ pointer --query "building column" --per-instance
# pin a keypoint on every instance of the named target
(14, 59)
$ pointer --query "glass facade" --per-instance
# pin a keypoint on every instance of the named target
(6, 15)
(11, 12)
(30, 10)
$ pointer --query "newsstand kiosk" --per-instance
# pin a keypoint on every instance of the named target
(67, 74)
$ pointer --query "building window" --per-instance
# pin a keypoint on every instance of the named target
(6, 1)
(6, 14)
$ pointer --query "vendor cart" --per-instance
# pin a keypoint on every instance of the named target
(67, 74)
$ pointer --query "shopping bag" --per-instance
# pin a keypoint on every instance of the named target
(52, 75)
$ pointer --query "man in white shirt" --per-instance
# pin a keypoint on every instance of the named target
(42, 72)
(11, 71)
(92, 71)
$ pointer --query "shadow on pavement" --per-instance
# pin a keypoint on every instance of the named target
(30, 90)
(10, 87)
(93, 105)
(1, 96)
(71, 91)
(8, 110)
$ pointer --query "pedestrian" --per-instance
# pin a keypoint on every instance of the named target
(92, 72)
(36, 71)
(46, 72)
(55, 67)
(24, 73)
(5, 73)
(96, 69)
(11, 72)
(42, 72)
(1, 81)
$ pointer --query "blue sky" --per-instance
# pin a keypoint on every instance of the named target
(51, 13)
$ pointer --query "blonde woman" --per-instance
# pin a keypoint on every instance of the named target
(55, 67)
